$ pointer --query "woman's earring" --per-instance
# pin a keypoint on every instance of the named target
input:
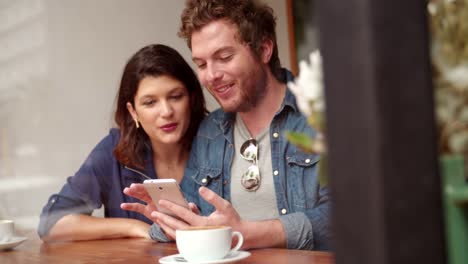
(136, 123)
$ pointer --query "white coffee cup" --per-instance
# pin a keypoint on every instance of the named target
(7, 229)
(207, 243)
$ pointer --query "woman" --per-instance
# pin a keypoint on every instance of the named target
(159, 107)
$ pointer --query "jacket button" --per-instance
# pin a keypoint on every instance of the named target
(275, 172)
(283, 211)
(204, 180)
(307, 161)
(275, 135)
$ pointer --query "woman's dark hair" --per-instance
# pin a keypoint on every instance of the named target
(154, 61)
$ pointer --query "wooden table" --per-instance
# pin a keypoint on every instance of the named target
(135, 251)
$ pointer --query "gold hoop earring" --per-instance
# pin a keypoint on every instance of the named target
(136, 123)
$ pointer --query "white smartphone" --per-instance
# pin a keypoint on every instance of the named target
(165, 189)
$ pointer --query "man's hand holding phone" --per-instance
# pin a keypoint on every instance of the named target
(224, 215)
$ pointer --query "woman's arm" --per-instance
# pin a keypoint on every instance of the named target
(67, 215)
(84, 227)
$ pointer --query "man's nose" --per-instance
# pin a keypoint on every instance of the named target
(213, 74)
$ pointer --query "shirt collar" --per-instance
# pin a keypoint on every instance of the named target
(289, 98)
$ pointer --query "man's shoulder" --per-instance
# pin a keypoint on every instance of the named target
(213, 124)
(214, 119)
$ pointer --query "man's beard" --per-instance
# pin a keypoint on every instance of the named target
(256, 91)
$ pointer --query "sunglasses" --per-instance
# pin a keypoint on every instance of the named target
(251, 178)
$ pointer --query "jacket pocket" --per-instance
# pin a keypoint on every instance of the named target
(210, 178)
(207, 176)
(302, 180)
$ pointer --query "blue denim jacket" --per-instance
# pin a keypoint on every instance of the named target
(303, 205)
(99, 182)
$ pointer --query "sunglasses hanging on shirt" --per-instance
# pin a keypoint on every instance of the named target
(251, 178)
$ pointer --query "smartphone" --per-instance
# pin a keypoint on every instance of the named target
(165, 189)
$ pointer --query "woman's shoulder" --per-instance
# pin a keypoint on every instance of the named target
(110, 140)
(102, 154)
(114, 134)
(105, 147)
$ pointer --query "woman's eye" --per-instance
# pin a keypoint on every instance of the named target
(176, 97)
(149, 102)
(201, 66)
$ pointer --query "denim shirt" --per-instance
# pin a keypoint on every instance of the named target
(303, 205)
(99, 182)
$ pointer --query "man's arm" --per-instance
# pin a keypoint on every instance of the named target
(301, 230)
(309, 229)
(263, 234)
(257, 234)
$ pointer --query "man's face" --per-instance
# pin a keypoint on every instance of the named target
(228, 68)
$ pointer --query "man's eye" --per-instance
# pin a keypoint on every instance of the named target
(201, 65)
(226, 58)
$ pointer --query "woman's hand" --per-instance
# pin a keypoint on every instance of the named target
(138, 191)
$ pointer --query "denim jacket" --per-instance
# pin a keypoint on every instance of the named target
(99, 182)
(302, 204)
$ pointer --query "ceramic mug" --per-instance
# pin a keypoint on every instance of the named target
(207, 243)
(6, 230)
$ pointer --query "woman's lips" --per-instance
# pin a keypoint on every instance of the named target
(169, 127)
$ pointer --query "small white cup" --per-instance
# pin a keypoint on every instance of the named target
(207, 243)
(7, 228)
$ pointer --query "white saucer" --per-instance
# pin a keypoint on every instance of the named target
(12, 243)
(177, 258)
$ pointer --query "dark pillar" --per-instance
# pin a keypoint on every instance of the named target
(381, 131)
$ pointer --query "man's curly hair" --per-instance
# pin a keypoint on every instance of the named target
(255, 22)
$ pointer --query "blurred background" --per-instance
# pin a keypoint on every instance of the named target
(60, 65)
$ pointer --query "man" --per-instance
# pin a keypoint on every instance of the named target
(246, 173)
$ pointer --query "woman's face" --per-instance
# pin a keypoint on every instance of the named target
(162, 107)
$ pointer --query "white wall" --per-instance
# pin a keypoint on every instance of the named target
(60, 64)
